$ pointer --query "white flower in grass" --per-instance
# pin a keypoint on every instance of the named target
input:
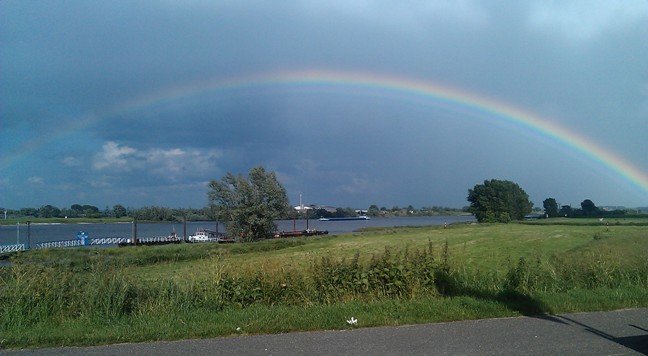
(352, 321)
(238, 329)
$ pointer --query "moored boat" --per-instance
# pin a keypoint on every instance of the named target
(307, 232)
(361, 217)
(204, 235)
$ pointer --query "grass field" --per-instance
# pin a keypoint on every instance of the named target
(636, 220)
(387, 276)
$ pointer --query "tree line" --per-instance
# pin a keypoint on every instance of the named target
(148, 213)
(159, 213)
(503, 201)
(587, 209)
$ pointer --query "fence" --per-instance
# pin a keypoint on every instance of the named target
(12, 248)
(121, 241)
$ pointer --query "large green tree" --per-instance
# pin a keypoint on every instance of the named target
(248, 205)
(550, 207)
(498, 201)
(119, 211)
(589, 208)
(49, 211)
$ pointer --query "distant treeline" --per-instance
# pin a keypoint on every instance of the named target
(147, 213)
(158, 213)
(374, 211)
(587, 210)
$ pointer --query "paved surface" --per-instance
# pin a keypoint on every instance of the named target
(622, 332)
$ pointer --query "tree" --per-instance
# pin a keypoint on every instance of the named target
(49, 211)
(248, 205)
(29, 212)
(153, 213)
(566, 211)
(373, 210)
(498, 201)
(91, 211)
(589, 208)
(119, 211)
(410, 210)
(550, 207)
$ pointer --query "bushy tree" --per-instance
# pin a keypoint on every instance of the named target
(344, 212)
(373, 210)
(550, 207)
(248, 205)
(119, 211)
(566, 211)
(589, 208)
(29, 212)
(498, 201)
(49, 211)
(91, 211)
(154, 213)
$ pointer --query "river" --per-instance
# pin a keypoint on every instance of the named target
(56, 232)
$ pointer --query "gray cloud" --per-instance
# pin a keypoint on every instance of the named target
(158, 164)
(578, 63)
(36, 180)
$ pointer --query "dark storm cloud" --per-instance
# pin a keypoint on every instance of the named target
(579, 64)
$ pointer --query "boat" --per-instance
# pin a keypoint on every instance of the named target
(361, 217)
(173, 236)
(307, 232)
(205, 235)
(201, 235)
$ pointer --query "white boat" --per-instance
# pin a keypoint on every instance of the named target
(201, 235)
(361, 217)
(205, 235)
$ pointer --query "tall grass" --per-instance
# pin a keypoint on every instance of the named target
(84, 259)
(32, 294)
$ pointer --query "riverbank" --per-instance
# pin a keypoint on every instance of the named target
(637, 220)
(387, 276)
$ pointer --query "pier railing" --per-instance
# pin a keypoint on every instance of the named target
(99, 241)
(82, 239)
(12, 248)
(58, 244)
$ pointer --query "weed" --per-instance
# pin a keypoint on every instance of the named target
(98, 288)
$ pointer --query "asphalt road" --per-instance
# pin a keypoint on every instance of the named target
(623, 332)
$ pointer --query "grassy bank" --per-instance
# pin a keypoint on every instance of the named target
(382, 277)
(636, 220)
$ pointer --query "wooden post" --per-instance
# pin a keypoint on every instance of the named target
(184, 229)
(134, 234)
(28, 234)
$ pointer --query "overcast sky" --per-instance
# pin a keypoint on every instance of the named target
(67, 67)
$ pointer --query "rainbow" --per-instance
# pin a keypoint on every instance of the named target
(440, 94)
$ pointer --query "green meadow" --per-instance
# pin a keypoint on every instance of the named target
(386, 276)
